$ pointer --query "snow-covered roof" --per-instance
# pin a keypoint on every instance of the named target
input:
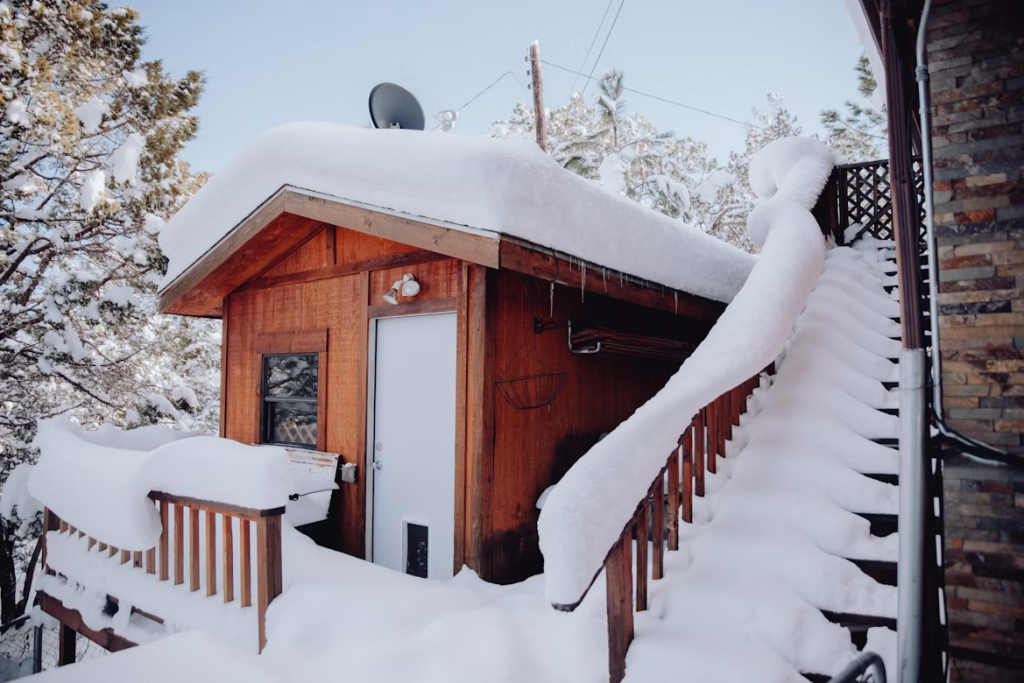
(499, 187)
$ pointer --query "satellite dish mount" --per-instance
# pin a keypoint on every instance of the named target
(392, 106)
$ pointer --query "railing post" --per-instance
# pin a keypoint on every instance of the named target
(618, 574)
(658, 529)
(641, 558)
(699, 446)
(268, 562)
(687, 484)
(66, 645)
(712, 457)
(673, 494)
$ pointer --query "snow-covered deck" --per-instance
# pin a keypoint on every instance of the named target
(772, 558)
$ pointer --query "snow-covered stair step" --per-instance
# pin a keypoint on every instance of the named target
(881, 524)
(881, 571)
(859, 621)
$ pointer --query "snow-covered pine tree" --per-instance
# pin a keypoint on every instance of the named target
(621, 150)
(627, 154)
(89, 138)
(722, 202)
(860, 134)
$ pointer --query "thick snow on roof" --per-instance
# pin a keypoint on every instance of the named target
(501, 186)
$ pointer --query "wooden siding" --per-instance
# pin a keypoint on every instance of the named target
(533, 449)
(337, 307)
(329, 287)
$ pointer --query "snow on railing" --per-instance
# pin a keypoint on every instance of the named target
(115, 502)
(592, 507)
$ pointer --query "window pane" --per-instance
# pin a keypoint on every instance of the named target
(292, 422)
(290, 376)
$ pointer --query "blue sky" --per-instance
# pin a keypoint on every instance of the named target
(271, 62)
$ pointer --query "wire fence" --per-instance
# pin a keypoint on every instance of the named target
(26, 649)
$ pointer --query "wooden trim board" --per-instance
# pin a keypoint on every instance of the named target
(186, 295)
(413, 308)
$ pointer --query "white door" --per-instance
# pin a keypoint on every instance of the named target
(413, 446)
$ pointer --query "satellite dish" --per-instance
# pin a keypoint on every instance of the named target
(392, 106)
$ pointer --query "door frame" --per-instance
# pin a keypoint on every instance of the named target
(370, 441)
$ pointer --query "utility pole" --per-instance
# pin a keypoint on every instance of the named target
(538, 97)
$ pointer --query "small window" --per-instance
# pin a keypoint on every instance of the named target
(290, 383)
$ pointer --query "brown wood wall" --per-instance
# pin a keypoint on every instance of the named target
(507, 457)
(534, 448)
(339, 306)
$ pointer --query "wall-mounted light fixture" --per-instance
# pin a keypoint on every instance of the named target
(407, 285)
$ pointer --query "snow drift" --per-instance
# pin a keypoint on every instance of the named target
(590, 507)
(99, 481)
(506, 187)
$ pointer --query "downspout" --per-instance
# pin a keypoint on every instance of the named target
(974, 448)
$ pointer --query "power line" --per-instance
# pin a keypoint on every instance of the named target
(587, 56)
(604, 44)
(666, 100)
(492, 84)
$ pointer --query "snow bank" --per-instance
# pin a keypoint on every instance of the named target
(193, 657)
(590, 507)
(99, 481)
(507, 187)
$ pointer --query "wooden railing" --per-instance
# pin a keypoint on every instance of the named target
(170, 557)
(700, 446)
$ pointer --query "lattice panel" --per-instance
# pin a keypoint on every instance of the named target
(865, 198)
(296, 433)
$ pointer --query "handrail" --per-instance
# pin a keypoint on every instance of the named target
(172, 547)
(867, 666)
(706, 433)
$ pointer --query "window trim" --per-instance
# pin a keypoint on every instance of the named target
(305, 342)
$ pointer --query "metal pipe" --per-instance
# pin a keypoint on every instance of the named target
(975, 448)
(913, 508)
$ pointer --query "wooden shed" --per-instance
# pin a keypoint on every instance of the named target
(461, 371)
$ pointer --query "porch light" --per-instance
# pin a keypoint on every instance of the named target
(407, 285)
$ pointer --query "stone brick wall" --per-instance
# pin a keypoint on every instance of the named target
(976, 55)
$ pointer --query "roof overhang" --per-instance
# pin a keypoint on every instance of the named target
(293, 215)
(285, 221)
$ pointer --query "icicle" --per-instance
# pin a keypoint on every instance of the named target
(621, 282)
(604, 279)
(583, 280)
(552, 313)
(675, 296)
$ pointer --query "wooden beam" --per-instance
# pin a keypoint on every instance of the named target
(285, 222)
(72, 620)
(413, 258)
(461, 440)
(901, 179)
(545, 265)
(461, 244)
(480, 416)
(413, 308)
